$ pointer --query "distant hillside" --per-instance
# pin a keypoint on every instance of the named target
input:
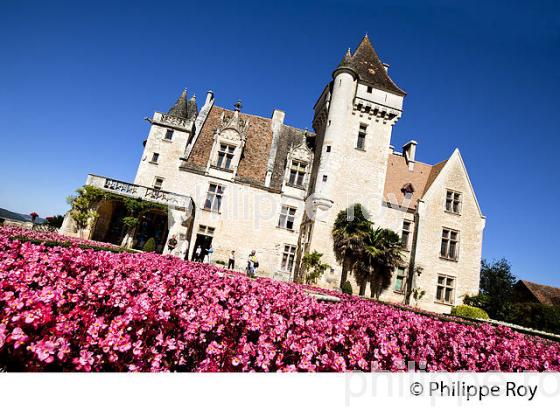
(4, 213)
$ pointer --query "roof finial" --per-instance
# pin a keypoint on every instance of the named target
(238, 105)
(184, 93)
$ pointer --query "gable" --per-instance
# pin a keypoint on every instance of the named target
(453, 175)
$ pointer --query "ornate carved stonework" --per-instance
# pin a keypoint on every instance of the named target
(233, 124)
(301, 152)
(172, 120)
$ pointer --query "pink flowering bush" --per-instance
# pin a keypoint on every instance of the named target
(72, 309)
(47, 236)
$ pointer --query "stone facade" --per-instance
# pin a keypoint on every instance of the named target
(258, 184)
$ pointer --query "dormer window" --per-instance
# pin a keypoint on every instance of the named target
(297, 173)
(225, 156)
(407, 189)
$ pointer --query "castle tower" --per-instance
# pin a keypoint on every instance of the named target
(354, 117)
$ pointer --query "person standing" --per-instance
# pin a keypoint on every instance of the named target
(171, 244)
(184, 249)
(198, 254)
(231, 261)
(252, 264)
(209, 253)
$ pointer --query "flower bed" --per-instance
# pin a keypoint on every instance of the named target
(52, 238)
(84, 310)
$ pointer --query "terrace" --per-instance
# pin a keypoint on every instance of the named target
(140, 192)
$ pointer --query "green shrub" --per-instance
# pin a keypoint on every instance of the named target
(535, 316)
(346, 288)
(313, 267)
(479, 301)
(150, 245)
(469, 312)
(220, 262)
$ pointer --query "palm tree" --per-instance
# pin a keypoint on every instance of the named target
(380, 255)
(349, 231)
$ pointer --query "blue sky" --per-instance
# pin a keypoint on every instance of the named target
(77, 79)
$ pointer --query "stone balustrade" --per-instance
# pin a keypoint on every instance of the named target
(139, 191)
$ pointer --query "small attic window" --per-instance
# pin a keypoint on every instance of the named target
(407, 189)
(369, 89)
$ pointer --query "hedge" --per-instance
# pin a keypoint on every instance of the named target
(469, 312)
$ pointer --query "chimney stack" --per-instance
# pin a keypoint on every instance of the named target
(409, 153)
(278, 116)
(386, 67)
(209, 97)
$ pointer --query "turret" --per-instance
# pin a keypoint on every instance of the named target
(354, 117)
(343, 89)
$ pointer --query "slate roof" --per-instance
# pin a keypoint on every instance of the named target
(183, 108)
(179, 109)
(367, 64)
(547, 295)
(398, 177)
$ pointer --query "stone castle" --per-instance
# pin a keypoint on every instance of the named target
(235, 181)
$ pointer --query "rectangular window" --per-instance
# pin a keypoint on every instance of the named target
(406, 231)
(288, 257)
(297, 173)
(287, 217)
(324, 178)
(328, 148)
(445, 290)
(400, 280)
(158, 183)
(370, 89)
(453, 202)
(169, 135)
(449, 244)
(206, 230)
(225, 156)
(361, 143)
(155, 158)
(214, 197)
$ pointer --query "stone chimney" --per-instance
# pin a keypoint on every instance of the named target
(409, 153)
(276, 125)
(278, 116)
(209, 97)
(386, 67)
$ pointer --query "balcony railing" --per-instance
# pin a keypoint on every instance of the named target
(139, 191)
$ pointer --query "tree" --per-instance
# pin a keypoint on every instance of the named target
(82, 211)
(380, 255)
(55, 221)
(150, 245)
(496, 284)
(313, 267)
(349, 231)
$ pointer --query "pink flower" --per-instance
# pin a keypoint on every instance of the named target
(86, 310)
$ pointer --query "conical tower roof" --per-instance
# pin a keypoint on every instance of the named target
(367, 64)
(180, 108)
